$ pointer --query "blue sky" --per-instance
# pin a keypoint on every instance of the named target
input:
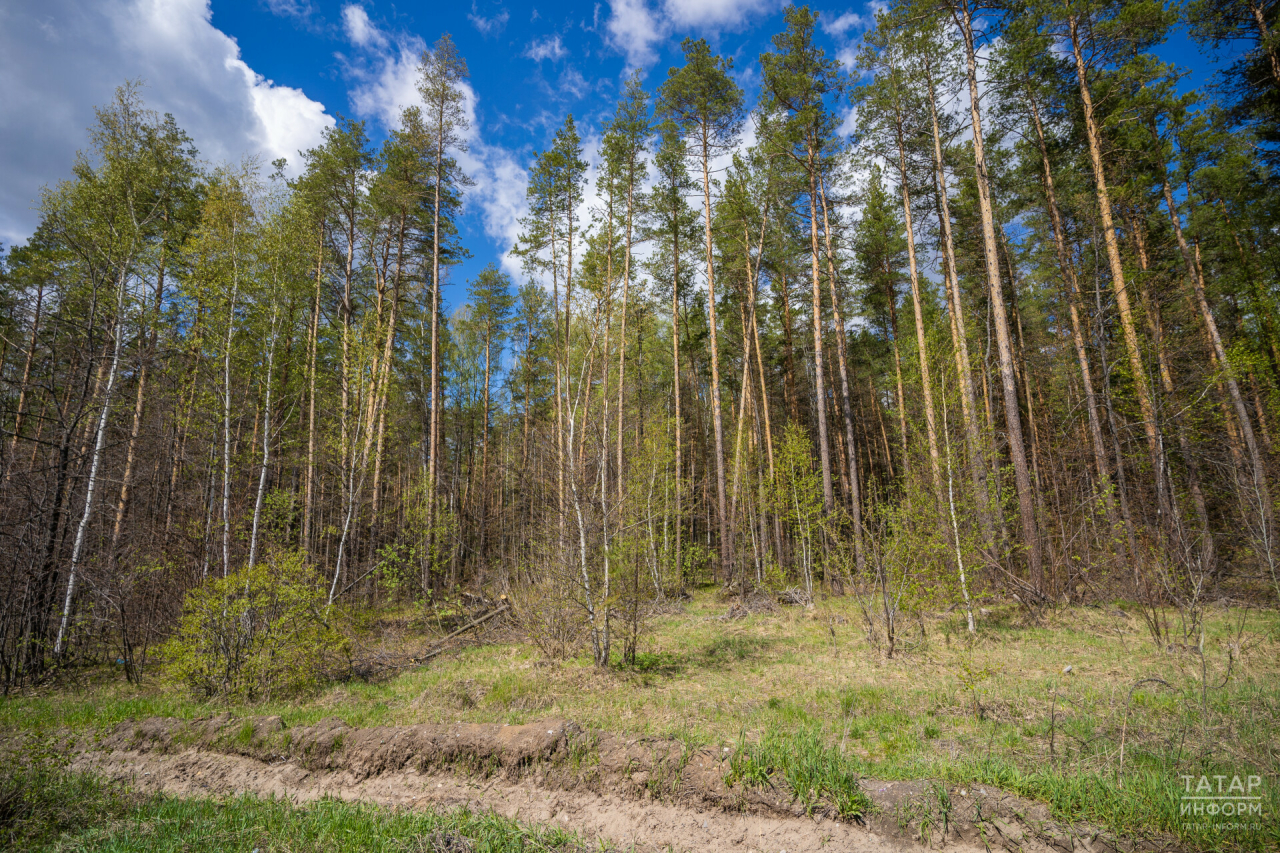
(265, 77)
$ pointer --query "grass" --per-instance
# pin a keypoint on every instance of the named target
(44, 806)
(815, 771)
(810, 703)
(250, 823)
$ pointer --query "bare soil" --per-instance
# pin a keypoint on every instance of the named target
(646, 794)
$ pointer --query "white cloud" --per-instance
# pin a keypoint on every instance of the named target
(714, 14)
(301, 9)
(849, 123)
(636, 26)
(387, 82)
(572, 83)
(841, 25)
(60, 58)
(488, 26)
(547, 48)
(633, 30)
(359, 29)
(499, 192)
(849, 27)
(384, 82)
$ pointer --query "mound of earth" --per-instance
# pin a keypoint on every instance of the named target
(648, 792)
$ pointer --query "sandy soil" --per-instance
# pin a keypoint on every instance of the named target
(648, 825)
(641, 794)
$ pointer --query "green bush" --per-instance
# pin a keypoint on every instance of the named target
(259, 633)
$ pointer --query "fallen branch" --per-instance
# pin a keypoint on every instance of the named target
(472, 624)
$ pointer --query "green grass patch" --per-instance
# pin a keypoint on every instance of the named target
(249, 823)
(45, 807)
(812, 769)
(1053, 736)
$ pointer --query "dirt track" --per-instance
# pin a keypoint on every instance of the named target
(622, 821)
(639, 793)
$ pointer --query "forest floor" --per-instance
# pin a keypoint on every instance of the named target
(1074, 719)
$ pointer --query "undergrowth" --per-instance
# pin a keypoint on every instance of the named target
(1076, 708)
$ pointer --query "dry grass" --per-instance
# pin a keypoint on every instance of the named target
(946, 705)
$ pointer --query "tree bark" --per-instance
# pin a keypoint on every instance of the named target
(1075, 310)
(77, 551)
(819, 377)
(855, 488)
(717, 420)
(960, 337)
(1141, 383)
(1013, 419)
(926, 382)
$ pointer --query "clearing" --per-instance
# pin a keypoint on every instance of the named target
(758, 728)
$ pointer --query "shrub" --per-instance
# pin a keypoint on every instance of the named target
(551, 615)
(256, 634)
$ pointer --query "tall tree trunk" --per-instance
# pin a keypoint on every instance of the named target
(1156, 328)
(1141, 383)
(1075, 310)
(433, 439)
(484, 458)
(819, 392)
(383, 383)
(926, 382)
(622, 336)
(675, 389)
(790, 386)
(226, 432)
(266, 444)
(1257, 494)
(855, 488)
(131, 450)
(1013, 419)
(20, 412)
(308, 500)
(960, 337)
(77, 550)
(891, 296)
(717, 420)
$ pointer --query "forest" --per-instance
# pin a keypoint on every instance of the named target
(1006, 329)
(907, 420)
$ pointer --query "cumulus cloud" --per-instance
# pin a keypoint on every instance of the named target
(715, 14)
(634, 27)
(491, 25)
(547, 48)
(60, 58)
(384, 81)
(384, 77)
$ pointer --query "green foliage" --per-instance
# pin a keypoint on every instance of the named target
(702, 98)
(256, 634)
(797, 496)
(816, 773)
(971, 678)
(40, 799)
